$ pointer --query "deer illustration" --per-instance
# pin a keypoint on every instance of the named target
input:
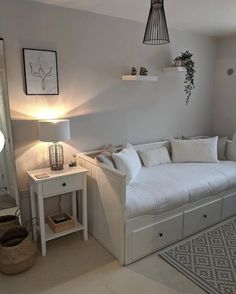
(40, 73)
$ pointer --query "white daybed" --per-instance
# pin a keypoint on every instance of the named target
(162, 205)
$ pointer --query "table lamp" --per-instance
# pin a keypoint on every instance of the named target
(55, 131)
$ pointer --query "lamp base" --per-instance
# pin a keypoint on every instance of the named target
(56, 156)
(57, 167)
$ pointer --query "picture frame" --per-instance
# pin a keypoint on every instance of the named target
(40, 71)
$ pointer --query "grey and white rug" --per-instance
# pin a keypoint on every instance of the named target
(208, 258)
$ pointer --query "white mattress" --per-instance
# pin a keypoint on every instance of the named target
(165, 187)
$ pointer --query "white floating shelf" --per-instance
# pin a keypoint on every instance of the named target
(175, 69)
(140, 78)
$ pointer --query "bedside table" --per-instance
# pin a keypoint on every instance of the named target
(69, 180)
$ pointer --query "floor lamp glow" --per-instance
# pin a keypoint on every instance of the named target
(55, 131)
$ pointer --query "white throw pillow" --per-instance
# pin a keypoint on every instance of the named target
(221, 147)
(154, 156)
(128, 162)
(198, 150)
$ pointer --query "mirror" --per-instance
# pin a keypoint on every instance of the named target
(8, 182)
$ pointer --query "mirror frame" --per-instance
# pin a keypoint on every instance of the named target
(8, 136)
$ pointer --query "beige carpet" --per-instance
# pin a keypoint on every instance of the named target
(73, 267)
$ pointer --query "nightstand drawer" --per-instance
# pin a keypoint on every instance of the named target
(63, 185)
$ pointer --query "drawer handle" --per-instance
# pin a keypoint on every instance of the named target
(204, 215)
(161, 235)
(64, 184)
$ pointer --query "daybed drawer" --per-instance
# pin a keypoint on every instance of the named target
(62, 185)
(229, 206)
(156, 236)
(201, 217)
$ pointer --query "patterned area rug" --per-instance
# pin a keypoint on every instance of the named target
(208, 258)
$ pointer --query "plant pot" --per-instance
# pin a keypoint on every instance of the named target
(179, 62)
(8, 222)
(17, 251)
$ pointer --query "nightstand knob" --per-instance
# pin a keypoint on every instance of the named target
(64, 184)
(161, 235)
(205, 216)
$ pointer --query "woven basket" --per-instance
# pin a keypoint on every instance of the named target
(8, 222)
(17, 251)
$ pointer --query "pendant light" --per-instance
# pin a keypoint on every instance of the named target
(156, 30)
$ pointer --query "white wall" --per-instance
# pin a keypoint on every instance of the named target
(93, 53)
(224, 116)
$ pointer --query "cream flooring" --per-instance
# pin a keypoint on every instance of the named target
(73, 267)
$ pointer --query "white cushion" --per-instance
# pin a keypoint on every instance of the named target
(128, 162)
(221, 147)
(154, 156)
(198, 150)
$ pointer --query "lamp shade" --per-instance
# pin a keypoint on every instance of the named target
(156, 32)
(54, 130)
(2, 141)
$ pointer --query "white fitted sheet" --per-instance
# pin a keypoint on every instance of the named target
(165, 187)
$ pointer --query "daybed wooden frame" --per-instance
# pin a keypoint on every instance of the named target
(131, 239)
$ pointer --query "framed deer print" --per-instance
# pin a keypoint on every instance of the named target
(41, 72)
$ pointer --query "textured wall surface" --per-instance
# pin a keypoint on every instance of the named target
(93, 53)
(224, 118)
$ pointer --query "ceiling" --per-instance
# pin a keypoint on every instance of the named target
(209, 17)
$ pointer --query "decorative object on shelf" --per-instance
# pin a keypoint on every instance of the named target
(60, 223)
(179, 62)
(156, 32)
(17, 251)
(143, 71)
(41, 72)
(133, 71)
(186, 60)
(230, 71)
(55, 131)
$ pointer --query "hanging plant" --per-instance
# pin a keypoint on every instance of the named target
(186, 61)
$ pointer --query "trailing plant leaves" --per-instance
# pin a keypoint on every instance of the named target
(190, 73)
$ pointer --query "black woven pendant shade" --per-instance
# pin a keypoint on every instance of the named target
(156, 30)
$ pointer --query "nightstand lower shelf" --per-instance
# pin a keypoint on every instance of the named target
(50, 235)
